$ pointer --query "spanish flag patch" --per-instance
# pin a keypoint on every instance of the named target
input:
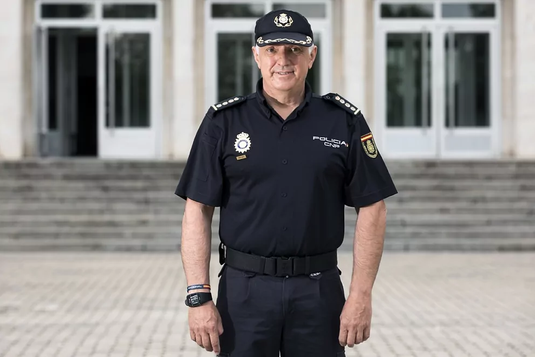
(368, 143)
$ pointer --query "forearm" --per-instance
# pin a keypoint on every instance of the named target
(368, 248)
(196, 242)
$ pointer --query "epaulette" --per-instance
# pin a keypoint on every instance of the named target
(228, 102)
(342, 102)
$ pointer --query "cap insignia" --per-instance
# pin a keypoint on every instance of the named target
(283, 20)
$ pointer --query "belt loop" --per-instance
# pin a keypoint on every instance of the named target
(307, 265)
(262, 263)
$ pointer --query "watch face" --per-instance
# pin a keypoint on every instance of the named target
(197, 299)
(194, 300)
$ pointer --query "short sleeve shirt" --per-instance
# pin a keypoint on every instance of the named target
(282, 185)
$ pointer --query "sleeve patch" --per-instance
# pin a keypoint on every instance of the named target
(228, 103)
(342, 102)
(369, 146)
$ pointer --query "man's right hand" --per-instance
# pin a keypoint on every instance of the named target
(205, 326)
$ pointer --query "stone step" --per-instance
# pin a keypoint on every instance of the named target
(165, 218)
(69, 163)
(394, 209)
(96, 204)
(166, 244)
(449, 186)
(126, 194)
(159, 169)
(114, 244)
(174, 230)
(175, 176)
(106, 181)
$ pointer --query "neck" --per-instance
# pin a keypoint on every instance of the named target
(285, 99)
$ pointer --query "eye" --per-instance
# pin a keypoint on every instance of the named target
(270, 50)
(297, 50)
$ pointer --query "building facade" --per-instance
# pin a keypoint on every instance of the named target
(437, 79)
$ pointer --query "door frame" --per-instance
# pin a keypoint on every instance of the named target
(494, 128)
(438, 27)
(427, 134)
(101, 24)
(127, 137)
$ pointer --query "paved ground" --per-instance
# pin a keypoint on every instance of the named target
(123, 304)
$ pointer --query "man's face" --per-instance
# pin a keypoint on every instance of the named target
(284, 67)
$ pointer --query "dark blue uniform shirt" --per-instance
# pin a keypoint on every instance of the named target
(282, 184)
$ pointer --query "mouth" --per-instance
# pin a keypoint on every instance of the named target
(285, 73)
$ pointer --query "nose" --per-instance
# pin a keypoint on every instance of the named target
(283, 58)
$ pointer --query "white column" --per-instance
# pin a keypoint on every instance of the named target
(525, 78)
(354, 49)
(507, 115)
(184, 81)
(11, 62)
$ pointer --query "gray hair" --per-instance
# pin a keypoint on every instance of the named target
(310, 49)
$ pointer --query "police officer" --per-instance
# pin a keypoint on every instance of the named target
(281, 163)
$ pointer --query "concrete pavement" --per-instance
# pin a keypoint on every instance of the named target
(131, 304)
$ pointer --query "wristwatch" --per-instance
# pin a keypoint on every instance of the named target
(197, 299)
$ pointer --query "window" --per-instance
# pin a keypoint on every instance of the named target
(224, 10)
(468, 10)
(67, 11)
(138, 11)
(307, 10)
(407, 10)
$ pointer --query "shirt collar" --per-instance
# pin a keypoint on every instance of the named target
(266, 108)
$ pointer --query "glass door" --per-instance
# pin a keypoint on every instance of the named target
(128, 70)
(469, 61)
(237, 72)
(407, 62)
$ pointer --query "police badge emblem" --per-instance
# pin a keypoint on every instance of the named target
(368, 143)
(243, 143)
(283, 20)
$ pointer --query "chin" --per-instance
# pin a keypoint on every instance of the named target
(285, 84)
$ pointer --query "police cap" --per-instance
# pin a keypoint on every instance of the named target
(283, 27)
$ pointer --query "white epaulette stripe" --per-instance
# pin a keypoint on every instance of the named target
(228, 102)
(342, 102)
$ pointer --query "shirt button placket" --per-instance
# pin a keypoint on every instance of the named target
(284, 227)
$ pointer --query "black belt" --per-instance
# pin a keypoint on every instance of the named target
(278, 266)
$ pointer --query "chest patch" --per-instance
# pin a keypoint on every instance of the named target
(242, 143)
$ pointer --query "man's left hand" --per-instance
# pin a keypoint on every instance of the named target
(355, 320)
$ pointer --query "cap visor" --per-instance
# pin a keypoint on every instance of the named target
(286, 38)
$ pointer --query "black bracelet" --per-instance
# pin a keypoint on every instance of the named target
(198, 286)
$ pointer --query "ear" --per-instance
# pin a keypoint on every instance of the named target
(256, 56)
(313, 55)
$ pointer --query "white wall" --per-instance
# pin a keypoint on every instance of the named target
(525, 78)
(184, 124)
(11, 80)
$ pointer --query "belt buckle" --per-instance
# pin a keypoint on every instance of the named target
(285, 266)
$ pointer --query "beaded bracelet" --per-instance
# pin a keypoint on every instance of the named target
(198, 286)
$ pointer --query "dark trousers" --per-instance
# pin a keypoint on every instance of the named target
(264, 315)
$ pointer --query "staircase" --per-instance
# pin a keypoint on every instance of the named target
(118, 205)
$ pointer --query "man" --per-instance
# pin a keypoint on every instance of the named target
(281, 164)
